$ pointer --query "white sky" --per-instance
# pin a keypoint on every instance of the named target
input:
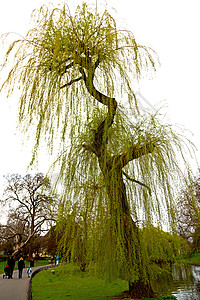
(170, 27)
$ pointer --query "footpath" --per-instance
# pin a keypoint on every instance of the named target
(16, 288)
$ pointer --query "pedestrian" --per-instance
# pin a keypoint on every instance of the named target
(21, 265)
(57, 260)
(11, 264)
(29, 271)
(32, 262)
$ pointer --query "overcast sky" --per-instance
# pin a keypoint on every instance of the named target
(170, 27)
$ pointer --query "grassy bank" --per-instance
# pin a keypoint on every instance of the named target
(68, 282)
(193, 259)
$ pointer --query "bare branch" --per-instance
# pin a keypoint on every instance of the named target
(67, 67)
(71, 82)
(136, 181)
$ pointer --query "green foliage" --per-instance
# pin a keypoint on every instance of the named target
(52, 55)
(161, 250)
(192, 258)
(89, 206)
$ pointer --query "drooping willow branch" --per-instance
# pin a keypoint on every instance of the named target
(137, 181)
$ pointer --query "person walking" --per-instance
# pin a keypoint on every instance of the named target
(21, 265)
(11, 264)
(57, 260)
(29, 271)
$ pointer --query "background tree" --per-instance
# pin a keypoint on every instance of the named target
(51, 241)
(188, 213)
(36, 246)
(61, 237)
(76, 73)
(13, 233)
(6, 240)
(32, 207)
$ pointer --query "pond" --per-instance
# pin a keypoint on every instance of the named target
(184, 283)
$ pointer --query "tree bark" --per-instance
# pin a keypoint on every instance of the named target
(139, 289)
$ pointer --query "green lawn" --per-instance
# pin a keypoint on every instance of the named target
(68, 282)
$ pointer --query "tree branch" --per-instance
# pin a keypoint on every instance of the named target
(67, 67)
(134, 153)
(110, 102)
(23, 244)
(136, 181)
(100, 137)
(71, 82)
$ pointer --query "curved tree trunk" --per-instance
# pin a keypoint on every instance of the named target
(111, 167)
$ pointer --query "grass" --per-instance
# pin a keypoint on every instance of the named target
(36, 264)
(192, 259)
(68, 282)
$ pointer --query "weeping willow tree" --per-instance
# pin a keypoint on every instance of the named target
(116, 166)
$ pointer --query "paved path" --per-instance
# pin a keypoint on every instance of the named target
(15, 289)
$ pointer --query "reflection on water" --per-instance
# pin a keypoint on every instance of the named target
(184, 283)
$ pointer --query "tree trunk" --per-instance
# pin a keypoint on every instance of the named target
(139, 289)
(111, 167)
(116, 191)
(22, 245)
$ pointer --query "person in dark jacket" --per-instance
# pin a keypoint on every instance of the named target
(21, 265)
(11, 263)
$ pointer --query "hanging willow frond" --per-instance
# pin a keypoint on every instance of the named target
(137, 181)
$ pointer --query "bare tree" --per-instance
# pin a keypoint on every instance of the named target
(13, 233)
(188, 213)
(32, 207)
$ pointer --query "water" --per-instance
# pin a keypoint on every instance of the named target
(184, 283)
